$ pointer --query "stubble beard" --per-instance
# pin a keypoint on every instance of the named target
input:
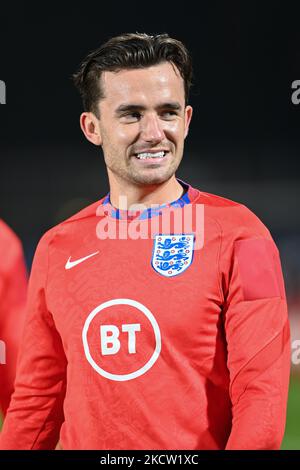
(142, 177)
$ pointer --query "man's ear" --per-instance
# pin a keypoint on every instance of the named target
(89, 124)
(188, 117)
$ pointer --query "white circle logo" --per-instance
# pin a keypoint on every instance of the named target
(156, 330)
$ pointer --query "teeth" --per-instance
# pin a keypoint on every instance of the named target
(143, 156)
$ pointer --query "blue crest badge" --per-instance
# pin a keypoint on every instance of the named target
(172, 254)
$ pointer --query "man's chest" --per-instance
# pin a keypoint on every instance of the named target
(124, 303)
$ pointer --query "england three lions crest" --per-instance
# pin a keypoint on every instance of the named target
(172, 254)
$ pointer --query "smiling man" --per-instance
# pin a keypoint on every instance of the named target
(153, 341)
(141, 122)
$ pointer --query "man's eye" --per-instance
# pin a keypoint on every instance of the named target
(169, 113)
(132, 115)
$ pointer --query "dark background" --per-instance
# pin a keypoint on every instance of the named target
(244, 141)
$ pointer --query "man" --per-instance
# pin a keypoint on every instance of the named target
(140, 336)
(13, 286)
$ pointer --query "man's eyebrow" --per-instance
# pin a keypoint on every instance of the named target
(129, 107)
(171, 105)
(174, 105)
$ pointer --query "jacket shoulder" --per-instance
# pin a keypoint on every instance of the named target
(233, 216)
(85, 213)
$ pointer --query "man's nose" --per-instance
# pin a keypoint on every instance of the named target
(151, 129)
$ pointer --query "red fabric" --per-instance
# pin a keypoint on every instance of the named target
(220, 378)
(259, 272)
(13, 286)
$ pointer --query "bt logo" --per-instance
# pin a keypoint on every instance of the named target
(121, 339)
(109, 335)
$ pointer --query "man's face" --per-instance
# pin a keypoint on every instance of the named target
(143, 113)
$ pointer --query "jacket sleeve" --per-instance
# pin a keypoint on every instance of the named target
(35, 413)
(257, 333)
(13, 288)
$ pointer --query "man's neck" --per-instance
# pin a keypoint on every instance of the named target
(123, 196)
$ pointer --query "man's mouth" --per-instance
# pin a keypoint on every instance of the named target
(151, 156)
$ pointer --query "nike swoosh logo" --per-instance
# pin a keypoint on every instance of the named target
(70, 264)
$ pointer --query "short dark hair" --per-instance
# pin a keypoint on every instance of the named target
(129, 51)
